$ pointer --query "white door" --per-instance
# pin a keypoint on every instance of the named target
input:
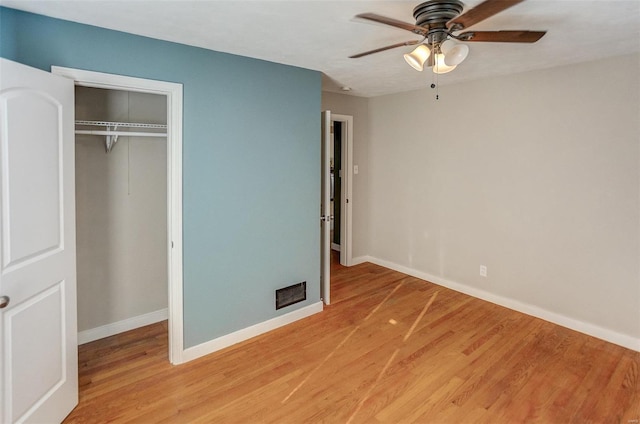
(39, 370)
(325, 208)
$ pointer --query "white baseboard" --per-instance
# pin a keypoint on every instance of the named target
(335, 247)
(360, 260)
(249, 332)
(107, 330)
(516, 305)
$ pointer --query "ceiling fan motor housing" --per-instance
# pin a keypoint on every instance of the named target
(436, 13)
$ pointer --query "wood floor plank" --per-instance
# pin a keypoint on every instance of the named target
(390, 349)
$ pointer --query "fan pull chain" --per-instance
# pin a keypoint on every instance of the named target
(434, 83)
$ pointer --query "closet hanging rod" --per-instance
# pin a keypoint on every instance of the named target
(120, 124)
(121, 133)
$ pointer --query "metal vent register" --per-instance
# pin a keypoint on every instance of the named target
(290, 295)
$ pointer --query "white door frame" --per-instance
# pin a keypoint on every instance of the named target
(346, 188)
(173, 92)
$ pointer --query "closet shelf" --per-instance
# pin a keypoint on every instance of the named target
(120, 124)
(111, 130)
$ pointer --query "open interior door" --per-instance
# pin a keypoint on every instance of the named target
(325, 209)
(39, 371)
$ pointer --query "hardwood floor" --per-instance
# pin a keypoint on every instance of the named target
(390, 349)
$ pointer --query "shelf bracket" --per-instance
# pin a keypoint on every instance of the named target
(111, 140)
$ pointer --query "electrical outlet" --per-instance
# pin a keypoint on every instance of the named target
(483, 271)
(355, 169)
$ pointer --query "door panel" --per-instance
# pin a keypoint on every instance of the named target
(31, 204)
(34, 374)
(325, 208)
(38, 374)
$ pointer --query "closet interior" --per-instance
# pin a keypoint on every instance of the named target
(121, 210)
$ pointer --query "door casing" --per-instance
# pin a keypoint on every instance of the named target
(173, 93)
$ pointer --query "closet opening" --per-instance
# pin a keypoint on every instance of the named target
(121, 211)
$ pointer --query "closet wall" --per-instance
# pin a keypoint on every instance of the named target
(121, 211)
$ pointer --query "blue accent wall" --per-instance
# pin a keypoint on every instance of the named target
(251, 163)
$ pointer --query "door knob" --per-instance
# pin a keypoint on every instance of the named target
(4, 301)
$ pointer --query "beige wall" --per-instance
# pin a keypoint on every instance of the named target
(121, 205)
(534, 175)
(358, 108)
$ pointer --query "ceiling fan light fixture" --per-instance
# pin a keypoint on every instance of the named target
(417, 57)
(440, 67)
(454, 53)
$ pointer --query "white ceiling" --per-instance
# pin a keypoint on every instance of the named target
(320, 35)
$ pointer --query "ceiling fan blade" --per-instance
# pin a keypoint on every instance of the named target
(381, 49)
(502, 36)
(479, 13)
(394, 22)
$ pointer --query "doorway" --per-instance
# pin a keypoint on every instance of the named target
(342, 176)
(336, 185)
(172, 94)
(329, 175)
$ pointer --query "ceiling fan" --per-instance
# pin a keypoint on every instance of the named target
(439, 22)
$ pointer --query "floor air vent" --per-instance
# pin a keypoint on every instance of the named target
(290, 295)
